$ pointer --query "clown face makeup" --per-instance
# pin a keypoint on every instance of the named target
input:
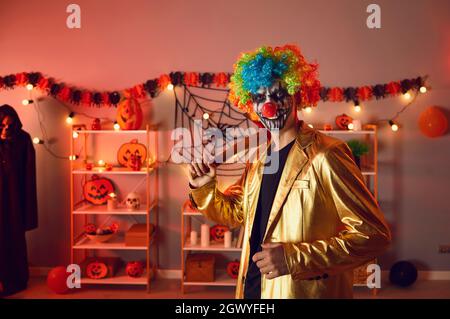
(273, 105)
(6, 126)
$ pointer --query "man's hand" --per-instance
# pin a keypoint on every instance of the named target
(201, 174)
(271, 261)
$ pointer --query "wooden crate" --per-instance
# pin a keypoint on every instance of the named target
(200, 267)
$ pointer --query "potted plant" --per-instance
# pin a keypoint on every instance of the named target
(358, 149)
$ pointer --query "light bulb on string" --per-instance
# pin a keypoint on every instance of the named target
(394, 126)
(205, 116)
(170, 87)
(29, 87)
(73, 157)
(27, 101)
(75, 134)
(350, 126)
(116, 126)
(37, 140)
(407, 96)
(308, 109)
(357, 107)
(423, 89)
(311, 126)
(69, 119)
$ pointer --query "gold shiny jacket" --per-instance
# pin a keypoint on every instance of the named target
(323, 213)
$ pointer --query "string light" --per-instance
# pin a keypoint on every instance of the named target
(407, 96)
(69, 119)
(423, 89)
(170, 87)
(350, 126)
(29, 87)
(101, 163)
(310, 125)
(73, 157)
(75, 134)
(27, 102)
(116, 126)
(394, 126)
(205, 116)
(37, 140)
(308, 109)
(357, 107)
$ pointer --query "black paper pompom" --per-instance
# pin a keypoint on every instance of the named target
(176, 78)
(379, 91)
(76, 96)
(151, 86)
(405, 85)
(350, 94)
(206, 79)
(54, 89)
(97, 98)
(9, 81)
(417, 82)
(324, 93)
(114, 97)
(34, 77)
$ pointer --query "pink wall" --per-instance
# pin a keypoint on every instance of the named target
(125, 42)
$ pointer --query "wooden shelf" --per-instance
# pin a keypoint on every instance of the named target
(119, 279)
(115, 170)
(110, 131)
(347, 132)
(192, 214)
(116, 243)
(222, 279)
(102, 210)
(213, 246)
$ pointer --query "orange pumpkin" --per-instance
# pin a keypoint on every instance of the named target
(129, 114)
(96, 270)
(343, 120)
(127, 150)
(233, 269)
(97, 190)
(433, 122)
(134, 269)
(217, 232)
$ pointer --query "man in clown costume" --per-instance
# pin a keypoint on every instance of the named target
(309, 224)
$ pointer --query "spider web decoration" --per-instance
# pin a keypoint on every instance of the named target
(194, 102)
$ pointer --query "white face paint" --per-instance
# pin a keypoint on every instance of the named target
(277, 95)
(5, 127)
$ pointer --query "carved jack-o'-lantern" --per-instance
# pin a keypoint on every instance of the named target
(218, 232)
(343, 120)
(96, 270)
(129, 114)
(134, 269)
(233, 269)
(97, 190)
(129, 150)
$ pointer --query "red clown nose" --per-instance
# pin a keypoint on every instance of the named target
(269, 110)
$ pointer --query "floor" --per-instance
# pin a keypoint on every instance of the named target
(170, 289)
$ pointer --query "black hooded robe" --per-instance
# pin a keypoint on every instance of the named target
(18, 207)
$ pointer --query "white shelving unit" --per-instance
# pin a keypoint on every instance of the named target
(369, 169)
(80, 243)
(221, 276)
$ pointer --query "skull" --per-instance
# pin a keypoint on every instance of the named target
(133, 201)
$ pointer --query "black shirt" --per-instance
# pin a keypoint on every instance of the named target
(269, 186)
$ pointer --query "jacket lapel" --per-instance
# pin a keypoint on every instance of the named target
(295, 162)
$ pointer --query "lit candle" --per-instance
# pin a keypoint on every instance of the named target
(112, 202)
(227, 239)
(204, 235)
(193, 238)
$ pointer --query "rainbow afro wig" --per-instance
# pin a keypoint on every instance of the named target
(264, 66)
